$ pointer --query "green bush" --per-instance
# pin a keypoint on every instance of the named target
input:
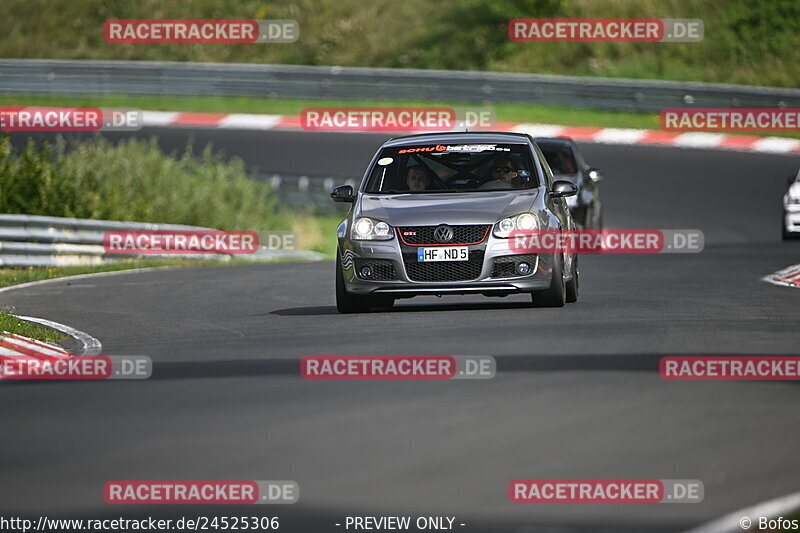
(133, 180)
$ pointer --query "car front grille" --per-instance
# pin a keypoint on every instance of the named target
(446, 270)
(382, 269)
(423, 235)
(506, 266)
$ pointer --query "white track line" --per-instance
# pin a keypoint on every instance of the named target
(731, 523)
(91, 346)
(697, 139)
(249, 122)
(775, 145)
(80, 276)
(620, 136)
(159, 118)
(539, 130)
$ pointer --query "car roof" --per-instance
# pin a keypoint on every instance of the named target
(460, 137)
(554, 140)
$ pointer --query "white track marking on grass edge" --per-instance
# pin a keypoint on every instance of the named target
(91, 346)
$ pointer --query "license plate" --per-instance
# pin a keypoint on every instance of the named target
(445, 253)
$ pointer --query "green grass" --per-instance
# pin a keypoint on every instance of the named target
(11, 324)
(325, 235)
(745, 42)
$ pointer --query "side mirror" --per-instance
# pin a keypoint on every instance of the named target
(343, 193)
(594, 174)
(562, 188)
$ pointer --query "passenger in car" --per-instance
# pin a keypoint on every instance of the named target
(418, 178)
(502, 174)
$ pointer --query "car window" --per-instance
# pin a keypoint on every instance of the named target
(548, 172)
(434, 168)
(560, 157)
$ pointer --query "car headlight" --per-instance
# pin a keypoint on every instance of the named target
(521, 222)
(367, 229)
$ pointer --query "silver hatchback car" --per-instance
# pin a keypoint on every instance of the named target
(434, 215)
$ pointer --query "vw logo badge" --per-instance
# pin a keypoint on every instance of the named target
(443, 233)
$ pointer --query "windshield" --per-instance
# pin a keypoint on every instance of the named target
(435, 168)
(560, 157)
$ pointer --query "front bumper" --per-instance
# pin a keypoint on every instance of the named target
(791, 218)
(395, 259)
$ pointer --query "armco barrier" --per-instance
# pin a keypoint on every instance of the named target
(29, 76)
(306, 192)
(42, 241)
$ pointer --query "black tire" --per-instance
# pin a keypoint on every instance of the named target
(784, 233)
(555, 296)
(356, 303)
(346, 302)
(573, 285)
(787, 235)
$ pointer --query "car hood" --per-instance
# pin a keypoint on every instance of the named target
(446, 208)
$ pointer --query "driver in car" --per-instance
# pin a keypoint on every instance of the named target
(502, 174)
(418, 178)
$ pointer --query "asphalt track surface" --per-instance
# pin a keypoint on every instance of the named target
(577, 393)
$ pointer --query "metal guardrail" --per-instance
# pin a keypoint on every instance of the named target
(305, 191)
(27, 76)
(43, 241)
